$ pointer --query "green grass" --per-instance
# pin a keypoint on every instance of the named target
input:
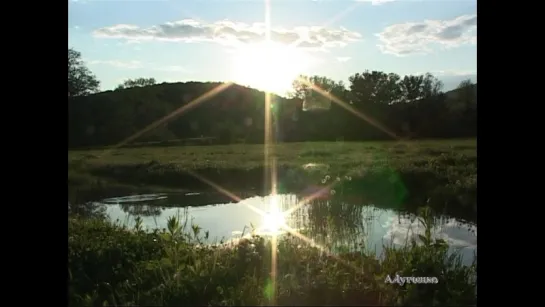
(442, 173)
(113, 265)
(344, 157)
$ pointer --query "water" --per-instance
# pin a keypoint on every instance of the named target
(335, 224)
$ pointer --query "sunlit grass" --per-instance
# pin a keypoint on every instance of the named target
(247, 156)
(445, 158)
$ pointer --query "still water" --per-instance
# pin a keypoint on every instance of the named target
(335, 224)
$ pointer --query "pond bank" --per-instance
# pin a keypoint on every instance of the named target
(341, 224)
(385, 187)
(122, 266)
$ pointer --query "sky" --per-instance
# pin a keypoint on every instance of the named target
(267, 44)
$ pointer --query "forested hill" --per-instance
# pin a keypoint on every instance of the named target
(409, 107)
(465, 89)
(234, 114)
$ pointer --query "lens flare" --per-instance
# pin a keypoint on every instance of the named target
(274, 220)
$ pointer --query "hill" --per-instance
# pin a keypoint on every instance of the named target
(460, 93)
(109, 117)
(236, 114)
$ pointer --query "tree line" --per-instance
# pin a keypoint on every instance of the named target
(373, 105)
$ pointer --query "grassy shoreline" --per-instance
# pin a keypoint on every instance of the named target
(341, 157)
(441, 173)
(114, 265)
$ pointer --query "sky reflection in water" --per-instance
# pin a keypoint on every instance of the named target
(333, 225)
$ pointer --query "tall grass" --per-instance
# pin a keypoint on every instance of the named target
(112, 264)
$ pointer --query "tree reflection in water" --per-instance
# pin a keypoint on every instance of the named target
(140, 209)
(87, 209)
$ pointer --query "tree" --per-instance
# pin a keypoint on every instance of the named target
(81, 81)
(464, 98)
(415, 88)
(140, 82)
(374, 87)
(467, 92)
(383, 103)
(313, 99)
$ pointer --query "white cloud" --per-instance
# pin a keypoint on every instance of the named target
(138, 64)
(117, 63)
(229, 32)
(343, 59)
(419, 37)
(454, 72)
(376, 2)
(456, 234)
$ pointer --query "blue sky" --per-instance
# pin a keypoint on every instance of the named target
(223, 40)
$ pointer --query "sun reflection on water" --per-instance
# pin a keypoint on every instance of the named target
(273, 220)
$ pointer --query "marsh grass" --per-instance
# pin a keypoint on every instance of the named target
(112, 264)
(348, 158)
(389, 173)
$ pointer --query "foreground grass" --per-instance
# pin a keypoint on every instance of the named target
(113, 265)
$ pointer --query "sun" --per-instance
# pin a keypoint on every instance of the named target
(269, 66)
(274, 219)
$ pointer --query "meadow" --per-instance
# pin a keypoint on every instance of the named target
(442, 173)
(340, 156)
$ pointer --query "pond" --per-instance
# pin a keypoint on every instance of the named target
(335, 223)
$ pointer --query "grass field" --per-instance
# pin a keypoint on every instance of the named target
(443, 172)
(341, 156)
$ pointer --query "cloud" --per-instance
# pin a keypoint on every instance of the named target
(376, 2)
(138, 65)
(230, 33)
(419, 37)
(343, 59)
(454, 72)
(455, 233)
(118, 64)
